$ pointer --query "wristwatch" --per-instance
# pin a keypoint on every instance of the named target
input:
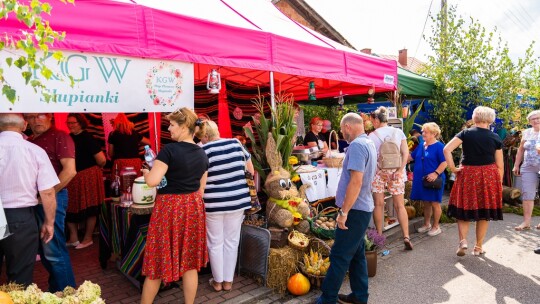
(340, 212)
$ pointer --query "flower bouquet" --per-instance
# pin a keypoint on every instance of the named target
(373, 240)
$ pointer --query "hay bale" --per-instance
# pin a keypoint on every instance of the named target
(408, 189)
(282, 264)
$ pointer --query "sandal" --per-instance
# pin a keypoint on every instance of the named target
(477, 251)
(214, 283)
(228, 284)
(523, 228)
(462, 248)
(407, 243)
(538, 226)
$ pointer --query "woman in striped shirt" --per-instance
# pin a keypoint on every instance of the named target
(226, 196)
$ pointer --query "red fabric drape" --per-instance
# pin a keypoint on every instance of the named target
(60, 121)
(224, 120)
(154, 128)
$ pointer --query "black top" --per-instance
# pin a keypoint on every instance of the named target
(311, 137)
(187, 163)
(479, 146)
(125, 146)
(86, 147)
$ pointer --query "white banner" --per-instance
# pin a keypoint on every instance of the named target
(104, 83)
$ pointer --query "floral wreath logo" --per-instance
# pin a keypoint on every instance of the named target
(164, 84)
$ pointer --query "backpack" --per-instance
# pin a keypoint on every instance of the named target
(389, 153)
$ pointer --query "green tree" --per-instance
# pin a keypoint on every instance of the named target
(471, 67)
(34, 43)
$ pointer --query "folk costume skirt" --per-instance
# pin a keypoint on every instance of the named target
(86, 192)
(176, 240)
(476, 194)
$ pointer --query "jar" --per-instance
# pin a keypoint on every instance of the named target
(127, 176)
(142, 194)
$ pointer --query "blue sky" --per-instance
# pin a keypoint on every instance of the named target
(387, 26)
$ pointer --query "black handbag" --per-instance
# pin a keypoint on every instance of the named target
(436, 184)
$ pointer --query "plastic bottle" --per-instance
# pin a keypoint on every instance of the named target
(115, 186)
(149, 156)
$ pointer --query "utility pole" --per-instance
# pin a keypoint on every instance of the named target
(444, 25)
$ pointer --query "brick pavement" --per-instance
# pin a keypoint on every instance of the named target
(115, 288)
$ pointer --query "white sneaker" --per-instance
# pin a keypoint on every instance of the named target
(434, 232)
(424, 229)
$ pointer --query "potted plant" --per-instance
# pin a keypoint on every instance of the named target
(373, 241)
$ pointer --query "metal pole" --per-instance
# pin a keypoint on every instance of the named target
(272, 99)
(156, 134)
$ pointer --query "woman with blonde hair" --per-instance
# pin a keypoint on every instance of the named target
(527, 165)
(176, 240)
(226, 197)
(477, 192)
(430, 165)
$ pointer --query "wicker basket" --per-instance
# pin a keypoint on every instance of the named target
(320, 232)
(332, 162)
(317, 245)
(297, 247)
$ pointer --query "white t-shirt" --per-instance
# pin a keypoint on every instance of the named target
(395, 134)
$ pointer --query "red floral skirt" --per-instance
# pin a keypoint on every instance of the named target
(176, 240)
(476, 194)
(85, 194)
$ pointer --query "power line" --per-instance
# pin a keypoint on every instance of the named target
(423, 29)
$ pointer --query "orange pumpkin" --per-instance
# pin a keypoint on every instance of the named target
(5, 298)
(298, 285)
(411, 212)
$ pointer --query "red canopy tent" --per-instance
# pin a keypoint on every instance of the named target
(243, 39)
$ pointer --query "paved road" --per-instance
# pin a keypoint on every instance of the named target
(432, 273)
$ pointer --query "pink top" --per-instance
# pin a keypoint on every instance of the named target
(25, 169)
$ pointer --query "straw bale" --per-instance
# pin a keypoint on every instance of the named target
(282, 264)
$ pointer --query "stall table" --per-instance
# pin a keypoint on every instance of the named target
(123, 238)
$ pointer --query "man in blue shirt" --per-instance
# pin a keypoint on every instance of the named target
(356, 202)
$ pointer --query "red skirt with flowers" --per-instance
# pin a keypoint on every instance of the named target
(476, 194)
(85, 193)
(176, 240)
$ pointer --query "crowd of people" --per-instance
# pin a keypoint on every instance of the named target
(53, 179)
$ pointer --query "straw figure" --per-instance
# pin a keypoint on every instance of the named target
(285, 207)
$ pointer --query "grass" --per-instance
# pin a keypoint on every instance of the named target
(519, 211)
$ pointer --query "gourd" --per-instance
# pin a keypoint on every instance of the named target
(298, 284)
(5, 298)
(411, 212)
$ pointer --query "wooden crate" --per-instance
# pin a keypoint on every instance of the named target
(278, 237)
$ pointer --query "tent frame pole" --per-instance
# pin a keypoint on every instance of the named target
(272, 98)
(156, 140)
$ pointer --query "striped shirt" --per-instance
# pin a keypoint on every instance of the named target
(25, 169)
(226, 188)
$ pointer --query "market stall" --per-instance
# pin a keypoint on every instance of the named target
(159, 51)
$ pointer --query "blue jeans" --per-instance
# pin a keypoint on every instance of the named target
(348, 254)
(55, 255)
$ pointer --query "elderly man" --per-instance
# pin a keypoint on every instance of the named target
(25, 171)
(61, 151)
(356, 202)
